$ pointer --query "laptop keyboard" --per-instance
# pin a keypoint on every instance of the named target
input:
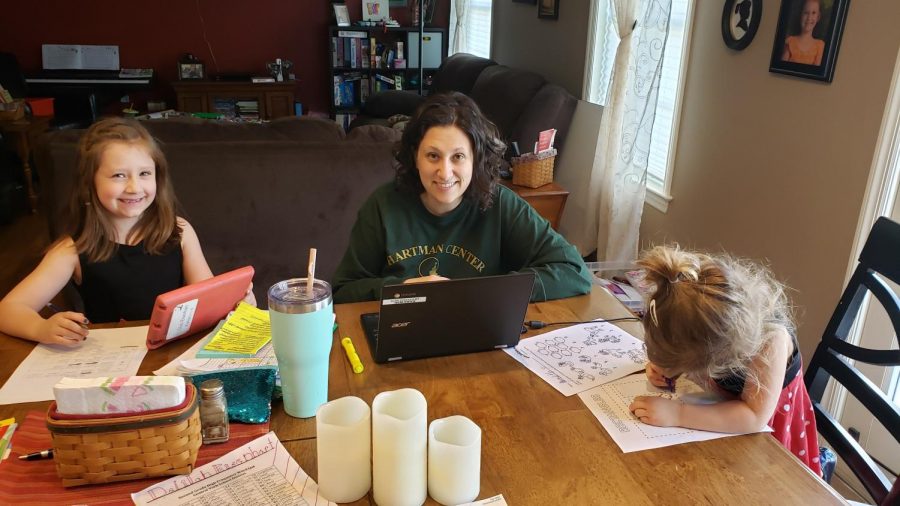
(369, 323)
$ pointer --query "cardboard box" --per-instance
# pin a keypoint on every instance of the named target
(41, 106)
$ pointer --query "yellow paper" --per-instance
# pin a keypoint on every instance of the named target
(245, 331)
(8, 421)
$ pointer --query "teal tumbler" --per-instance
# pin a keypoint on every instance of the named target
(302, 338)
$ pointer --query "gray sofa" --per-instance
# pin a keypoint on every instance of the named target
(521, 103)
(256, 194)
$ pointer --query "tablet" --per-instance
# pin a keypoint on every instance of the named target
(192, 308)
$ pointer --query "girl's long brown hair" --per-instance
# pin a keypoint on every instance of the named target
(89, 224)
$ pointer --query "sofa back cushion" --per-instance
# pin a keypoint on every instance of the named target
(459, 73)
(503, 94)
(551, 107)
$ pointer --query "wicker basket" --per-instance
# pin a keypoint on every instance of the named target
(126, 447)
(533, 170)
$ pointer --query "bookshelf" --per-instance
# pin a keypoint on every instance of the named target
(368, 59)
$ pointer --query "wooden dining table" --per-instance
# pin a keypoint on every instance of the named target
(538, 446)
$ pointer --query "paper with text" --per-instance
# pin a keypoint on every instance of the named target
(246, 330)
(106, 352)
(609, 403)
(261, 472)
(580, 357)
(497, 500)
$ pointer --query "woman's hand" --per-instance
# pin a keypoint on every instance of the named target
(67, 328)
(426, 279)
(657, 411)
(658, 376)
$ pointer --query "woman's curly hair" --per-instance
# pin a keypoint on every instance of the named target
(453, 109)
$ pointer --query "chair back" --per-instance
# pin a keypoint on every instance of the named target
(878, 262)
(11, 76)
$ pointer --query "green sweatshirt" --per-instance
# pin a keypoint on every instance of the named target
(395, 238)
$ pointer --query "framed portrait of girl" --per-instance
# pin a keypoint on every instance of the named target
(808, 37)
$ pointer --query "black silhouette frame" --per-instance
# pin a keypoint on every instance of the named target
(740, 21)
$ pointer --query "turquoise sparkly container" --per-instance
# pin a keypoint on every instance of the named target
(302, 338)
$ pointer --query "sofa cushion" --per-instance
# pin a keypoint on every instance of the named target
(374, 133)
(459, 73)
(306, 129)
(387, 103)
(504, 93)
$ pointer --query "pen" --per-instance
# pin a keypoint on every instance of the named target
(670, 384)
(56, 309)
(351, 355)
(44, 454)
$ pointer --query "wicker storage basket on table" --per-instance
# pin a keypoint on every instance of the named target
(533, 170)
(124, 447)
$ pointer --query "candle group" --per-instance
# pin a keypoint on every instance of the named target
(406, 460)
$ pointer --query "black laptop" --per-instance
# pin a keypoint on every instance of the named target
(420, 320)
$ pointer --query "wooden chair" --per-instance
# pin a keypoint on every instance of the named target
(879, 260)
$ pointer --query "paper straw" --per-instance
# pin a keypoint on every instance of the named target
(311, 272)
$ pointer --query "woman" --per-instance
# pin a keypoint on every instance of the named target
(445, 216)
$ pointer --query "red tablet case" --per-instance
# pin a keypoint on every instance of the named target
(192, 308)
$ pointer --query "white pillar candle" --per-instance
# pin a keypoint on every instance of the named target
(343, 446)
(399, 451)
(454, 460)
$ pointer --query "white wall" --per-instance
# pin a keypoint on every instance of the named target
(774, 167)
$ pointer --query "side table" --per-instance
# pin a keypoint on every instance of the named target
(548, 200)
(23, 132)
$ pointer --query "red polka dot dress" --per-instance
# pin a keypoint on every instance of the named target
(794, 423)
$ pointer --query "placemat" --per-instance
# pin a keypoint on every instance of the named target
(36, 483)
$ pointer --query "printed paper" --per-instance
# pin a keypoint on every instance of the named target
(580, 357)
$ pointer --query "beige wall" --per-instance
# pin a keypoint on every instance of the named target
(554, 49)
(775, 167)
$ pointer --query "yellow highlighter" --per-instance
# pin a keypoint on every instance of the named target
(351, 355)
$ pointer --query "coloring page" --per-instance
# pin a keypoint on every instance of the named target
(609, 403)
(581, 357)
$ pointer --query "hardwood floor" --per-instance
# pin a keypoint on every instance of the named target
(23, 244)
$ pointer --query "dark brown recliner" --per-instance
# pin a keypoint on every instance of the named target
(521, 103)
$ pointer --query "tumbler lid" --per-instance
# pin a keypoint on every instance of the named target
(290, 296)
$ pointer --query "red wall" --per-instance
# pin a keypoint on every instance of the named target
(243, 36)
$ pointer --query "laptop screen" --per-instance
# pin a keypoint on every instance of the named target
(419, 320)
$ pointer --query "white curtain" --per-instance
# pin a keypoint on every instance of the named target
(458, 22)
(618, 180)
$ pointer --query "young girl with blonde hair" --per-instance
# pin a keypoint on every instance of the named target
(726, 324)
(123, 245)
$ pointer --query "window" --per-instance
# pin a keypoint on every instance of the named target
(477, 33)
(665, 126)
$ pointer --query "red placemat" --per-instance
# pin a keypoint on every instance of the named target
(35, 482)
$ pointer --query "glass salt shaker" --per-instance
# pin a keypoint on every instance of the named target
(213, 412)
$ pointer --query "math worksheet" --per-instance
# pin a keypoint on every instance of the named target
(106, 352)
(580, 357)
(609, 403)
(260, 472)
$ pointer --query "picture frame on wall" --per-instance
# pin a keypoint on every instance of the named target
(548, 9)
(740, 21)
(808, 37)
(341, 15)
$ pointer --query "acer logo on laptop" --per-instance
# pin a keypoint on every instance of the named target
(399, 325)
